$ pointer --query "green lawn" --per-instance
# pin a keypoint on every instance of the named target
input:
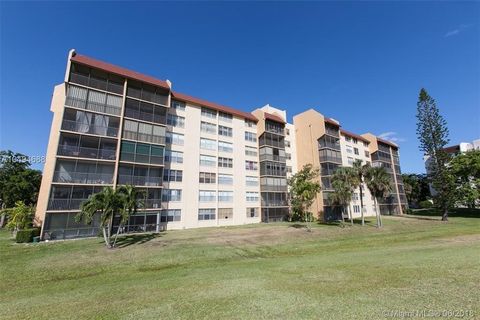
(266, 271)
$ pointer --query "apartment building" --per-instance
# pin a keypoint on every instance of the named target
(197, 163)
(385, 154)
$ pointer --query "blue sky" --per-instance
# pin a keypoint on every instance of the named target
(361, 63)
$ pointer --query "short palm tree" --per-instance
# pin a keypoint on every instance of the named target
(107, 203)
(378, 182)
(360, 171)
(343, 181)
(130, 200)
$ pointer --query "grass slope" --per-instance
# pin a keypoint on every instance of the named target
(266, 271)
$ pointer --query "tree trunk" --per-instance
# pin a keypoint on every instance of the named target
(350, 214)
(361, 204)
(105, 237)
(377, 212)
(116, 235)
(2, 219)
(445, 215)
(343, 211)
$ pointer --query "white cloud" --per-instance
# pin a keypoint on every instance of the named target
(391, 136)
(456, 31)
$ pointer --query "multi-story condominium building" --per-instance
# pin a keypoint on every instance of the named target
(385, 154)
(197, 163)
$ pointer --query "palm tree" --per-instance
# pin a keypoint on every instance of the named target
(130, 200)
(108, 203)
(343, 181)
(378, 182)
(360, 171)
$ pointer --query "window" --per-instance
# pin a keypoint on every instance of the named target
(252, 212)
(348, 139)
(289, 156)
(287, 131)
(355, 196)
(208, 127)
(208, 144)
(208, 161)
(227, 117)
(349, 149)
(367, 154)
(172, 175)
(287, 143)
(209, 113)
(174, 138)
(365, 144)
(251, 181)
(249, 136)
(251, 151)
(250, 124)
(206, 196)
(252, 196)
(225, 131)
(173, 156)
(225, 162)
(171, 195)
(177, 105)
(225, 196)
(356, 208)
(350, 160)
(251, 165)
(355, 150)
(170, 215)
(207, 177)
(225, 146)
(225, 213)
(175, 121)
(355, 140)
(206, 214)
(225, 179)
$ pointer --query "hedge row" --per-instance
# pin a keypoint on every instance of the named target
(27, 235)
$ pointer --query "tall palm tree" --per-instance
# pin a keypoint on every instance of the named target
(360, 171)
(130, 200)
(108, 203)
(343, 181)
(378, 182)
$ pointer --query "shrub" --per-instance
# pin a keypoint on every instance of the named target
(26, 235)
(425, 204)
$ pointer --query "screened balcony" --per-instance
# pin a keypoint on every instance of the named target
(147, 92)
(140, 175)
(327, 141)
(145, 111)
(141, 153)
(75, 171)
(70, 197)
(93, 100)
(90, 123)
(73, 145)
(95, 78)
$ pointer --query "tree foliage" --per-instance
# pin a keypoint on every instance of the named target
(432, 133)
(465, 168)
(110, 203)
(378, 182)
(17, 181)
(304, 186)
(416, 188)
(20, 217)
(344, 181)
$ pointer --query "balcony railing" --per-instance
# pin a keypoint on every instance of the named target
(140, 180)
(153, 203)
(83, 177)
(274, 203)
(64, 204)
(88, 128)
(84, 152)
(330, 159)
(272, 157)
(145, 116)
(140, 158)
(62, 234)
(323, 144)
(273, 188)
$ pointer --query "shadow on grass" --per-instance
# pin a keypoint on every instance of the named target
(130, 239)
(339, 223)
(457, 212)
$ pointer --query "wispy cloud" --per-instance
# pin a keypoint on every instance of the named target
(457, 30)
(391, 136)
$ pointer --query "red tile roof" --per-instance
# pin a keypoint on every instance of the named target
(118, 70)
(212, 105)
(273, 117)
(331, 121)
(353, 135)
(387, 142)
(452, 149)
